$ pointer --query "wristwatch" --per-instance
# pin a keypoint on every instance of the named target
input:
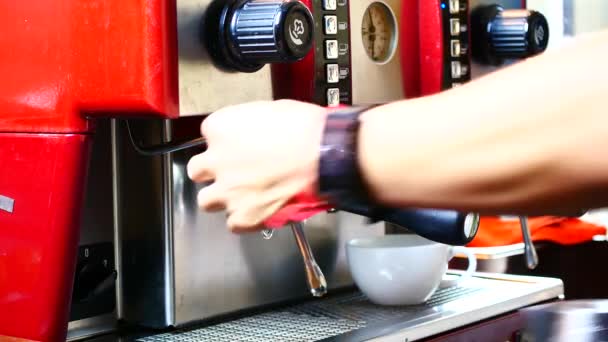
(343, 187)
(339, 174)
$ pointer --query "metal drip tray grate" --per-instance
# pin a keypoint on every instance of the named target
(308, 322)
(353, 317)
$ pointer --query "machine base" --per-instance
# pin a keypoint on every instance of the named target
(486, 306)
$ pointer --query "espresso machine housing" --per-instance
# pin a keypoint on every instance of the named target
(94, 232)
(182, 262)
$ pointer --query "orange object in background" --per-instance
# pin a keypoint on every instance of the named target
(14, 339)
(495, 231)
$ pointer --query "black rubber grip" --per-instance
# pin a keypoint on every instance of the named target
(443, 226)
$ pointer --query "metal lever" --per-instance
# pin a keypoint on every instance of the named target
(165, 147)
(314, 275)
(529, 250)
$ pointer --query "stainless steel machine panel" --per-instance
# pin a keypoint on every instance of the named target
(375, 82)
(203, 88)
(182, 265)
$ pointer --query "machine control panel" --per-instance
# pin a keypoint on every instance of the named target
(332, 62)
(360, 52)
(306, 43)
(455, 33)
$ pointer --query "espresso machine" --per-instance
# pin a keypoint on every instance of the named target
(99, 219)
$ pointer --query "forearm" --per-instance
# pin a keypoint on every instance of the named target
(531, 138)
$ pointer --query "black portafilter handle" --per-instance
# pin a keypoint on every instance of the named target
(444, 226)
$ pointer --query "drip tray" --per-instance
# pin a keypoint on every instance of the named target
(352, 317)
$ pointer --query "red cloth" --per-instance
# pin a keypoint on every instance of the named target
(494, 231)
(300, 208)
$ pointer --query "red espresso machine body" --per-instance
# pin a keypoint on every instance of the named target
(62, 64)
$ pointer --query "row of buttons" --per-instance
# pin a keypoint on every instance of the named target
(457, 49)
(330, 27)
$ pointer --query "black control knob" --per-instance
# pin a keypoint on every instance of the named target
(244, 35)
(500, 34)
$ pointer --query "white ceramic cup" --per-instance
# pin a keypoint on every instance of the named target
(402, 269)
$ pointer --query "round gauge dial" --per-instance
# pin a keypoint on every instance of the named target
(378, 32)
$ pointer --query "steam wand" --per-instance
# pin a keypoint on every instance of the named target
(529, 250)
(314, 276)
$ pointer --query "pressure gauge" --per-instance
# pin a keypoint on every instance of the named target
(379, 32)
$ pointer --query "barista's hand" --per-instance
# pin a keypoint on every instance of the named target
(259, 156)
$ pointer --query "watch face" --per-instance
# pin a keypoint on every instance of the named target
(379, 32)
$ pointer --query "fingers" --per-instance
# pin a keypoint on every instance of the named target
(200, 168)
(247, 218)
(239, 225)
(211, 198)
(245, 213)
(211, 127)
